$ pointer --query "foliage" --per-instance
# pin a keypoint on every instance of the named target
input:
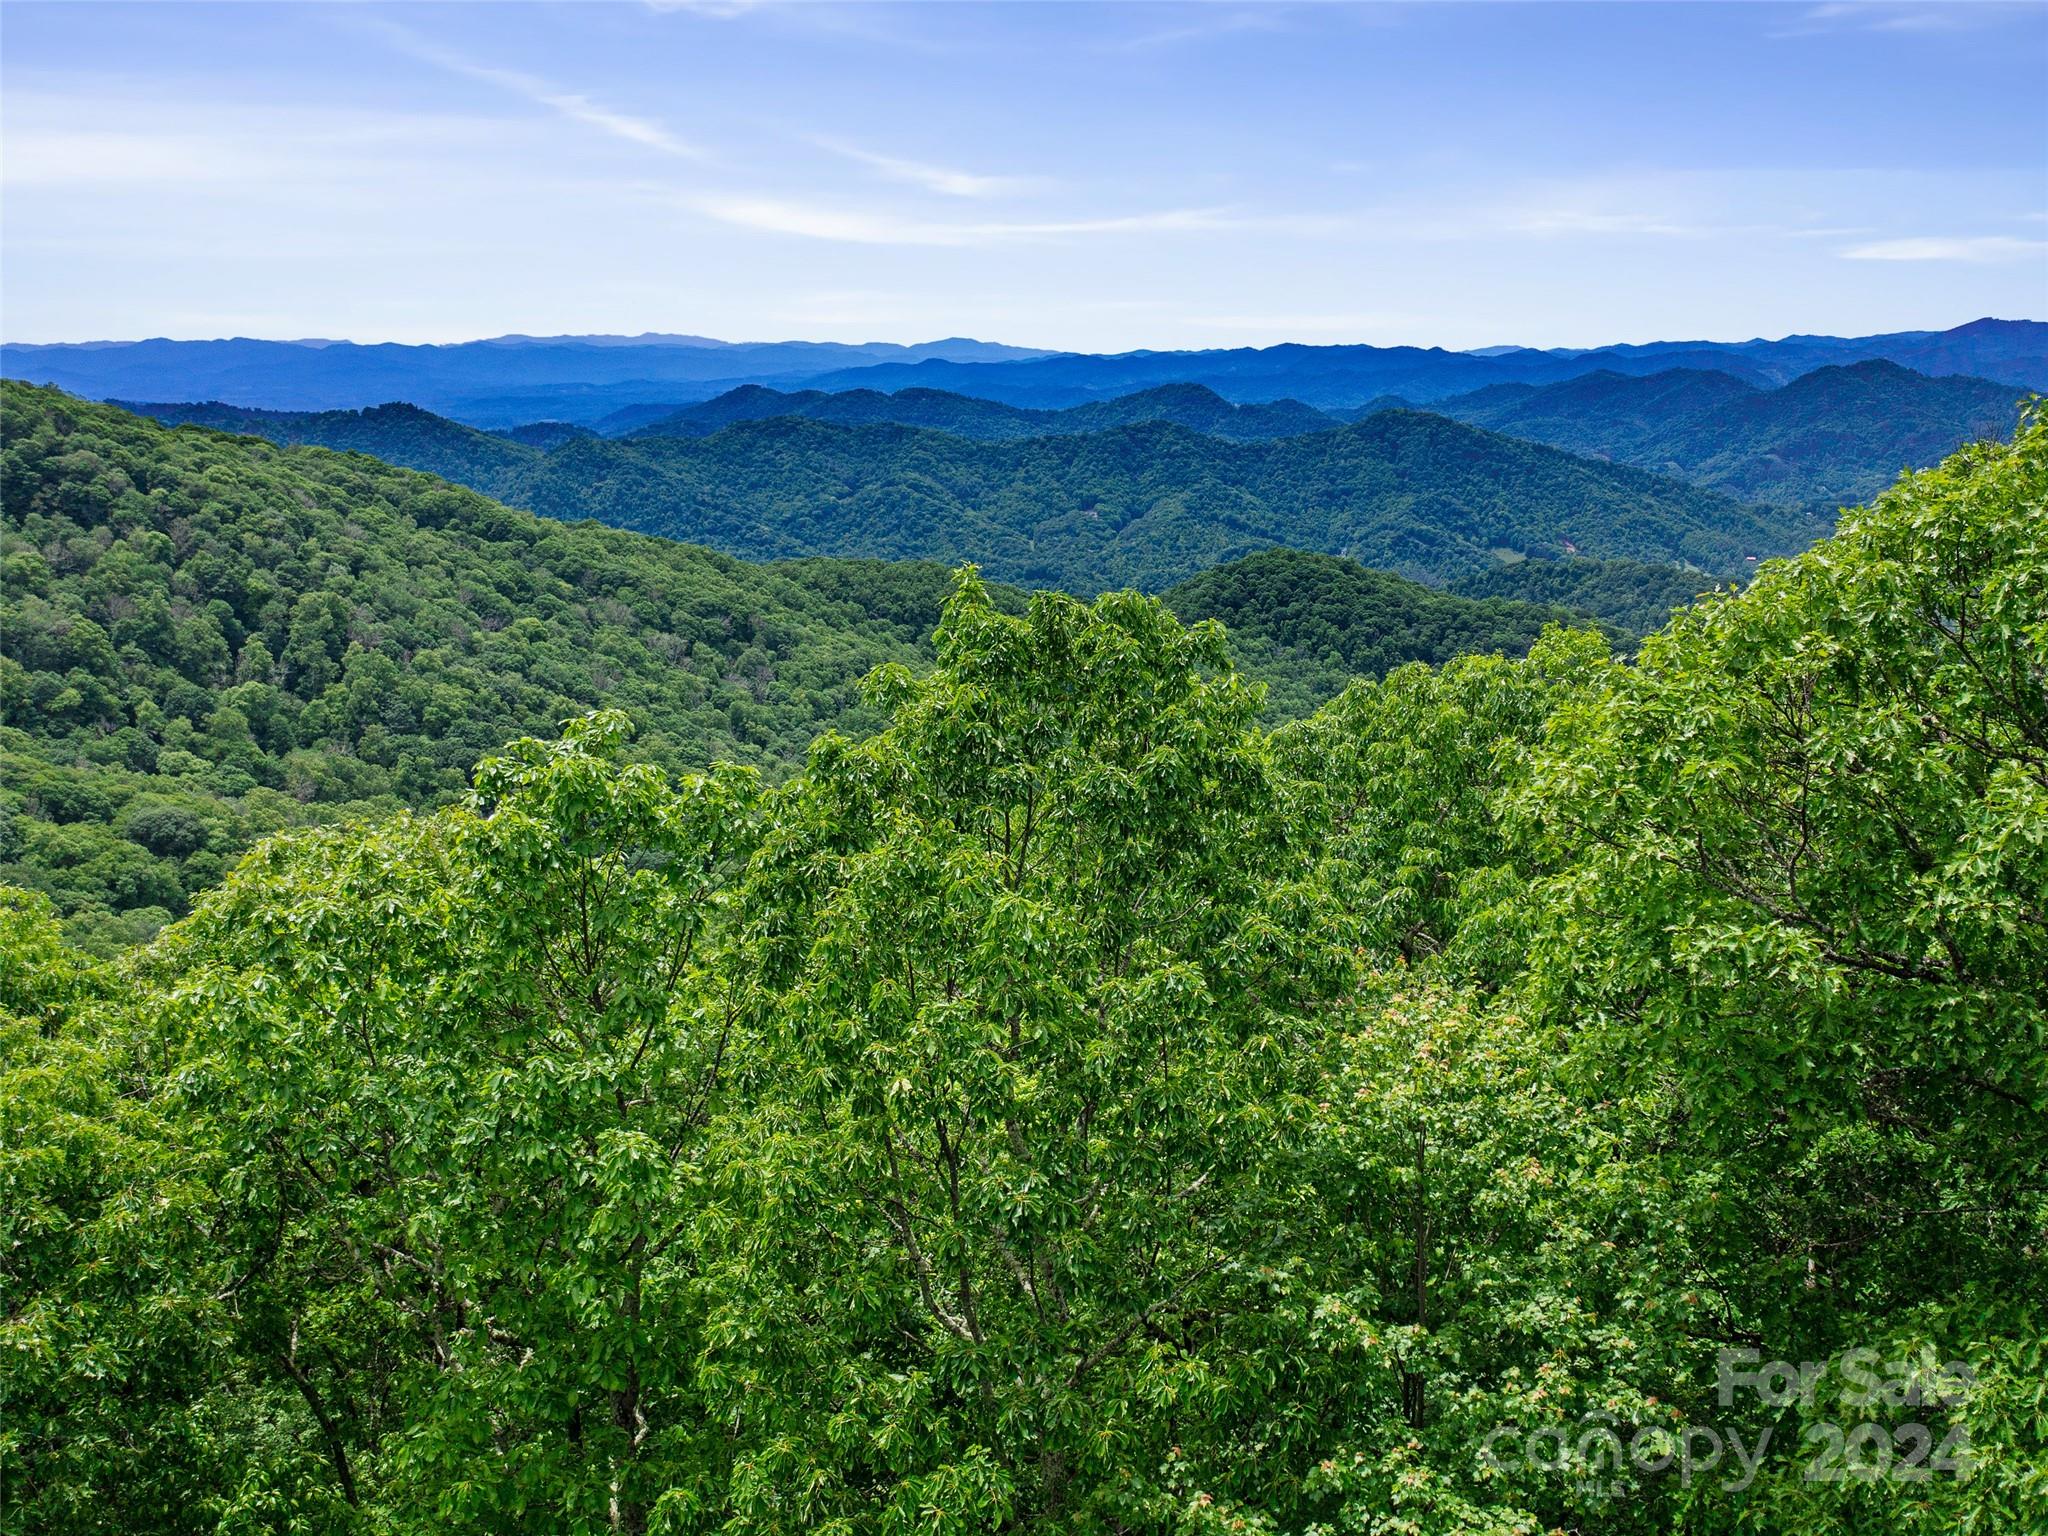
(1634, 596)
(1141, 505)
(1037, 995)
(1308, 624)
(1826, 800)
(208, 640)
(397, 433)
(1074, 1108)
(1832, 788)
(1834, 435)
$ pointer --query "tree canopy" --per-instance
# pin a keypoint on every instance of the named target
(1076, 1107)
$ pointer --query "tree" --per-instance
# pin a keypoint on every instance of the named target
(462, 1068)
(1804, 850)
(1010, 1235)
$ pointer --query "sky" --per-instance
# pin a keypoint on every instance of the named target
(1088, 177)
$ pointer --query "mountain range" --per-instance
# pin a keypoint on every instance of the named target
(510, 380)
(210, 639)
(1194, 406)
(1830, 437)
(498, 382)
(2011, 352)
(1836, 434)
(1143, 505)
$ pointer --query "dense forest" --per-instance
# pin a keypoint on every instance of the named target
(1070, 1106)
(1308, 624)
(208, 639)
(1149, 505)
(1144, 506)
(399, 434)
(1631, 594)
(1193, 406)
(205, 639)
(1835, 435)
(1830, 437)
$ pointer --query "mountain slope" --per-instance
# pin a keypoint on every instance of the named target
(1634, 595)
(398, 434)
(1308, 624)
(1143, 505)
(1832, 436)
(206, 638)
(1193, 406)
(1148, 506)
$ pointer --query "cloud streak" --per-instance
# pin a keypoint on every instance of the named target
(1886, 16)
(1968, 248)
(572, 105)
(932, 178)
(855, 227)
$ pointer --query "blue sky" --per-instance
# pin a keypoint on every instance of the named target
(1093, 177)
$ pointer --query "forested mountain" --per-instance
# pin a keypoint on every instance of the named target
(399, 434)
(1187, 405)
(1829, 437)
(1139, 506)
(2013, 352)
(204, 639)
(1147, 506)
(1633, 595)
(511, 380)
(534, 434)
(1308, 624)
(1071, 1109)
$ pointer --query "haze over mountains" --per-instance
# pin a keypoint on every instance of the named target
(510, 380)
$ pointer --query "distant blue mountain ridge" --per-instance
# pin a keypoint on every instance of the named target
(510, 381)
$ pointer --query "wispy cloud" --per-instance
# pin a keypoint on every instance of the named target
(932, 178)
(1584, 221)
(573, 105)
(1893, 16)
(1969, 248)
(106, 139)
(717, 10)
(859, 227)
(1201, 24)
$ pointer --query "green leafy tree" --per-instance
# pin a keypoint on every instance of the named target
(462, 1069)
(1017, 1246)
(1805, 848)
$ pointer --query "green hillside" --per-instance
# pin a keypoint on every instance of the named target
(1074, 1108)
(1830, 437)
(1151, 505)
(1633, 595)
(208, 638)
(1308, 624)
(398, 434)
(1193, 406)
(1143, 505)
